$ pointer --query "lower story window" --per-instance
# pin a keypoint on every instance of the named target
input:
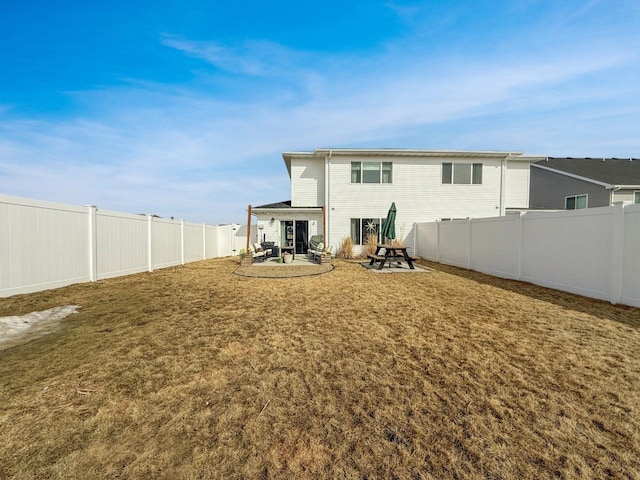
(636, 197)
(362, 228)
(575, 201)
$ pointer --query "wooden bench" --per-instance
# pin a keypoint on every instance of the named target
(377, 258)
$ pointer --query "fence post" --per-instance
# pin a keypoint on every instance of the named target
(438, 241)
(617, 253)
(204, 241)
(93, 248)
(150, 242)
(469, 243)
(519, 246)
(182, 241)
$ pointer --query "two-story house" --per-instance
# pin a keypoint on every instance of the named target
(571, 183)
(347, 192)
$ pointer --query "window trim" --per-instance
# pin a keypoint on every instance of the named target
(381, 172)
(362, 229)
(575, 197)
(452, 173)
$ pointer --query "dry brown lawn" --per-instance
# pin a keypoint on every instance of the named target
(196, 373)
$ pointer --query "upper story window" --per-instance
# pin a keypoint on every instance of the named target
(462, 173)
(574, 202)
(371, 172)
(636, 197)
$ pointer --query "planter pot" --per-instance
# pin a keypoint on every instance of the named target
(288, 258)
(325, 259)
(247, 260)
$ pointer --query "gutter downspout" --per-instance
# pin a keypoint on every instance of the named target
(611, 195)
(326, 210)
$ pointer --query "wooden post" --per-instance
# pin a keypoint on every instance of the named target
(248, 229)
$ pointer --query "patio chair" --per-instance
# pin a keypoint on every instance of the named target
(317, 252)
(314, 241)
(258, 253)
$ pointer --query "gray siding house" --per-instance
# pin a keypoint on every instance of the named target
(570, 183)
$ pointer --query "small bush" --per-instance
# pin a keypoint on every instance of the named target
(396, 242)
(370, 245)
(345, 249)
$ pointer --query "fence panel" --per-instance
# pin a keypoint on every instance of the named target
(495, 246)
(166, 241)
(193, 242)
(122, 244)
(631, 262)
(591, 252)
(454, 242)
(44, 245)
(426, 240)
(569, 250)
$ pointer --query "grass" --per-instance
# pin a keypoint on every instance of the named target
(194, 372)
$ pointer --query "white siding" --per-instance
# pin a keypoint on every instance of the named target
(416, 189)
(517, 183)
(627, 196)
(307, 182)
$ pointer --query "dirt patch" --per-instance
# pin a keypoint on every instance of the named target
(194, 372)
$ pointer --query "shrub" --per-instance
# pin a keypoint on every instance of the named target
(371, 244)
(345, 249)
(396, 242)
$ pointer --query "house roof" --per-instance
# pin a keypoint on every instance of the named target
(321, 153)
(285, 205)
(612, 172)
(271, 206)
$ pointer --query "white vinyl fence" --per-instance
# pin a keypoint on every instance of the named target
(593, 252)
(47, 245)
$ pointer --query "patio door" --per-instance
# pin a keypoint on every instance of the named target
(302, 236)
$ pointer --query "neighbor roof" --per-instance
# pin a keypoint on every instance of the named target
(612, 171)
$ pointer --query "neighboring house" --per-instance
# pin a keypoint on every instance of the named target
(347, 192)
(570, 183)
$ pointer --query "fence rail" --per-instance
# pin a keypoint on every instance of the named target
(47, 245)
(592, 252)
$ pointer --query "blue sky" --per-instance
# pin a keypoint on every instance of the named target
(183, 108)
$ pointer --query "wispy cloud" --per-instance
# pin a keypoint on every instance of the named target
(251, 57)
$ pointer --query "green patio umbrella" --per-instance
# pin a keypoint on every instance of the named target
(389, 224)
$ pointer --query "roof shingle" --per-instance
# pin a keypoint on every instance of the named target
(614, 171)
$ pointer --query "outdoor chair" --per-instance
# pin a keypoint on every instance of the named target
(314, 241)
(317, 252)
(258, 253)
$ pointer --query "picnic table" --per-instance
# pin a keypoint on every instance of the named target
(392, 253)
